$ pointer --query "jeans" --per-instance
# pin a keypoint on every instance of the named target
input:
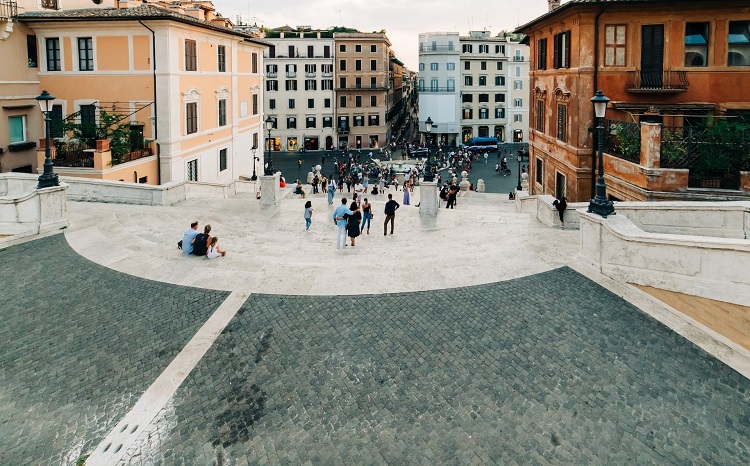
(308, 222)
(366, 217)
(331, 191)
(340, 235)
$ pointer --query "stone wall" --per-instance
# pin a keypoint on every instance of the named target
(27, 210)
(695, 265)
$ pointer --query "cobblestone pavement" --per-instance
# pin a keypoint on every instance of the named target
(546, 369)
(80, 343)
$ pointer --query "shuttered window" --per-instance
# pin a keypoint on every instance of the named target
(562, 123)
(191, 61)
(191, 117)
(561, 58)
(541, 54)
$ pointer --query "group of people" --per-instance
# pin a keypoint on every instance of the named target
(200, 244)
(354, 219)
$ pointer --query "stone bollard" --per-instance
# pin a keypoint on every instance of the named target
(480, 186)
(464, 184)
(310, 176)
(525, 181)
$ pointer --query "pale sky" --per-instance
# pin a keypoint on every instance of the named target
(402, 20)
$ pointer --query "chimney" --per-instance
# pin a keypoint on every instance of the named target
(553, 4)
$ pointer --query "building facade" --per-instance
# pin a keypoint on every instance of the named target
(474, 85)
(299, 95)
(668, 62)
(187, 85)
(362, 90)
(438, 85)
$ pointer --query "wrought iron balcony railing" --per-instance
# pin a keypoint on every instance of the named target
(667, 81)
(8, 9)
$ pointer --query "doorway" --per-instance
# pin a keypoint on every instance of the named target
(559, 185)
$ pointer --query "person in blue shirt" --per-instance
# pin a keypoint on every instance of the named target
(340, 216)
(188, 237)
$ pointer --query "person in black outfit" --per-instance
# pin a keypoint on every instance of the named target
(452, 193)
(352, 223)
(202, 241)
(390, 213)
(561, 204)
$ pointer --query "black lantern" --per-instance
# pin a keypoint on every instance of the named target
(47, 179)
(600, 204)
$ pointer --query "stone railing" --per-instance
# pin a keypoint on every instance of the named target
(705, 266)
(25, 210)
(540, 207)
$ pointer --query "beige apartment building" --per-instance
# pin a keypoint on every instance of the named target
(362, 84)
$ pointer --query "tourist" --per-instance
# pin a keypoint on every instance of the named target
(202, 241)
(308, 215)
(352, 223)
(213, 250)
(331, 189)
(340, 215)
(366, 215)
(561, 204)
(187, 239)
(452, 194)
(390, 213)
(406, 192)
(298, 189)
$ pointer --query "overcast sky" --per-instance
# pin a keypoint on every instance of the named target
(402, 20)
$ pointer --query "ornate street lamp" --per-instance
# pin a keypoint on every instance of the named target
(255, 159)
(269, 163)
(519, 156)
(428, 175)
(49, 177)
(600, 204)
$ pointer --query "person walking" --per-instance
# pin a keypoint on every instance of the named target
(452, 193)
(308, 215)
(406, 193)
(366, 216)
(561, 204)
(340, 215)
(331, 190)
(352, 223)
(390, 213)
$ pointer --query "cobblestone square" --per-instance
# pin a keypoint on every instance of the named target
(80, 344)
(548, 369)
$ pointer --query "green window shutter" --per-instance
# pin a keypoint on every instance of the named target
(15, 127)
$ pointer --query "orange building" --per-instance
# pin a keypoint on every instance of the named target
(186, 84)
(671, 62)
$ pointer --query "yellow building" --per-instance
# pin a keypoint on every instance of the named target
(185, 82)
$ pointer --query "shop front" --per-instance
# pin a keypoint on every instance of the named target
(312, 143)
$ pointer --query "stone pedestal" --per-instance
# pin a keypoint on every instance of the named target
(428, 198)
(464, 184)
(270, 193)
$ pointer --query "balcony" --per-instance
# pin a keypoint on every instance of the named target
(291, 74)
(657, 82)
(310, 74)
(519, 58)
(354, 87)
(438, 90)
(437, 48)
(8, 9)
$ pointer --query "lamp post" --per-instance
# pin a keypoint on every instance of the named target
(269, 163)
(428, 175)
(49, 177)
(519, 156)
(600, 204)
(255, 159)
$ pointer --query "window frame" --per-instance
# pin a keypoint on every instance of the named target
(562, 122)
(223, 159)
(86, 54)
(541, 54)
(192, 122)
(222, 111)
(56, 56)
(191, 55)
(615, 45)
(221, 58)
(24, 129)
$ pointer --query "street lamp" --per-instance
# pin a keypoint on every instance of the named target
(49, 177)
(600, 204)
(269, 163)
(255, 159)
(519, 156)
(428, 175)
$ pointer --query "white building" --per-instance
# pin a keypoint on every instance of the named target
(438, 85)
(474, 86)
(299, 90)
